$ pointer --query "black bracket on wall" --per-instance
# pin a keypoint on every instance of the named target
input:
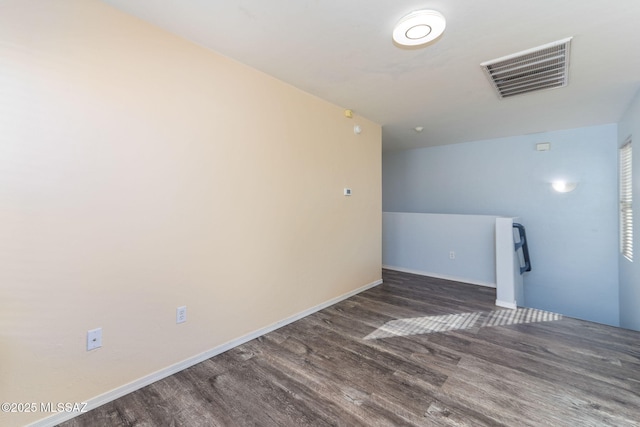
(525, 248)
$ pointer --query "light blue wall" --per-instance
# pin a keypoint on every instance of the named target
(421, 243)
(630, 271)
(573, 237)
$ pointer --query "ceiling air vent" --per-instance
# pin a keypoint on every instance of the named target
(540, 68)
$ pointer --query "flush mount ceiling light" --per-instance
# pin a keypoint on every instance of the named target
(419, 27)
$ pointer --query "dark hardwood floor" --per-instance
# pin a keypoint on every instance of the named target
(414, 351)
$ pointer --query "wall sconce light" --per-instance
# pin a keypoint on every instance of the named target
(563, 186)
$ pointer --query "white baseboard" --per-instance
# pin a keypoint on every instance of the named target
(440, 276)
(505, 304)
(170, 370)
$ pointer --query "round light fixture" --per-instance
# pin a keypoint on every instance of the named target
(419, 27)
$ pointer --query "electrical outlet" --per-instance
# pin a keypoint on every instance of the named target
(181, 314)
(452, 255)
(94, 339)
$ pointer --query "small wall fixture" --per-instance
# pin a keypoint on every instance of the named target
(563, 186)
(419, 27)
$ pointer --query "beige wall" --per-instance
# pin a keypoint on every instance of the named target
(138, 173)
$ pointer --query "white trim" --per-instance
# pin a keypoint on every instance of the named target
(506, 304)
(440, 276)
(170, 370)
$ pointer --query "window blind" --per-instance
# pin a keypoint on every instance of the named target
(626, 205)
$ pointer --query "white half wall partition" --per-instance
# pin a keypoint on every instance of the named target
(476, 249)
(510, 289)
(454, 247)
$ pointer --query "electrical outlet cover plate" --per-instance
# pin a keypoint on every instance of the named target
(94, 339)
(181, 314)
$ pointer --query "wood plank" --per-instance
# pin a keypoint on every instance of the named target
(326, 370)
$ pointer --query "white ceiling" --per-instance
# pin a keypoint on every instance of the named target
(342, 51)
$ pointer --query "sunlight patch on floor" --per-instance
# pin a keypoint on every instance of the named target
(451, 322)
(521, 315)
(425, 325)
